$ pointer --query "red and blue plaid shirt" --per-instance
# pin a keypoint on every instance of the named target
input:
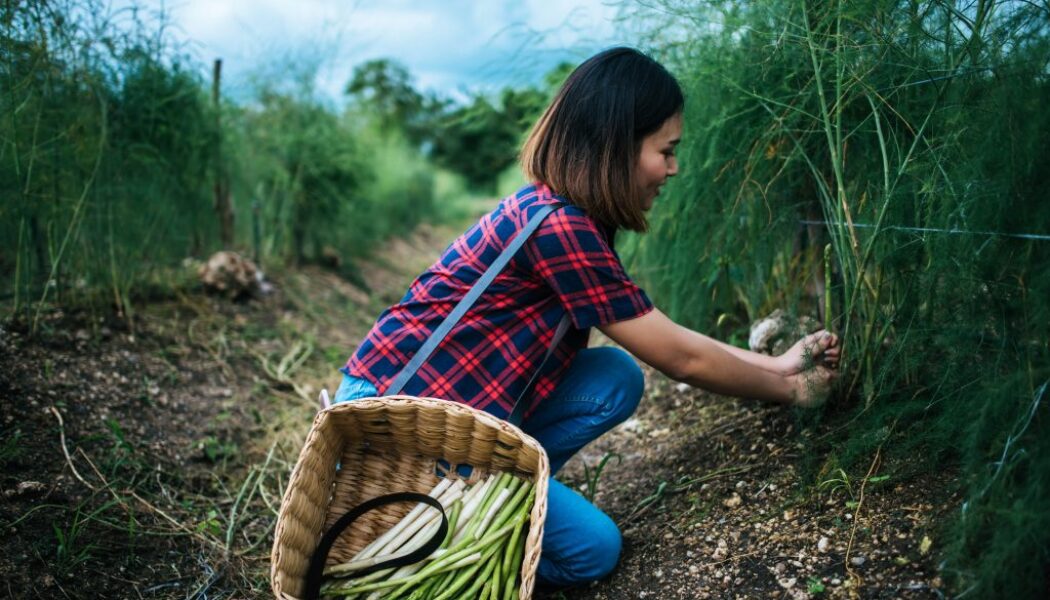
(489, 356)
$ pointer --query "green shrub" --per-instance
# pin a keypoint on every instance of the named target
(913, 139)
(107, 140)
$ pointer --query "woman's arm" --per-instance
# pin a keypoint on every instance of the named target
(691, 357)
(819, 345)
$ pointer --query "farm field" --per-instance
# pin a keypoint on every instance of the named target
(875, 169)
(181, 435)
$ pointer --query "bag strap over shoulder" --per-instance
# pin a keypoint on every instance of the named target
(517, 414)
(468, 301)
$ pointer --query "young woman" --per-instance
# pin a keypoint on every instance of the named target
(603, 149)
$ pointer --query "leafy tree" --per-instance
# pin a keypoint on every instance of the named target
(477, 140)
(482, 139)
(384, 88)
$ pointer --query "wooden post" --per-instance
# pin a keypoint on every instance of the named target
(223, 207)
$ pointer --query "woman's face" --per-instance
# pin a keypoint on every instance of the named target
(656, 161)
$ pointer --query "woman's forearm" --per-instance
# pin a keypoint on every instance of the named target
(762, 361)
(731, 371)
(698, 360)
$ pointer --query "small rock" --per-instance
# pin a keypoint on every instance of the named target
(632, 425)
(780, 568)
(721, 551)
(823, 544)
(682, 388)
(733, 501)
(27, 488)
(787, 583)
(836, 581)
(858, 560)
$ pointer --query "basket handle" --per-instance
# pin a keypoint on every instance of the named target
(317, 560)
(461, 308)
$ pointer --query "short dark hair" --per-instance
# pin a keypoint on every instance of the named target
(586, 144)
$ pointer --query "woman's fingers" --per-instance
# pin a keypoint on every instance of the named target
(822, 341)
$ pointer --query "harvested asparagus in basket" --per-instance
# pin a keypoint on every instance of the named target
(480, 556)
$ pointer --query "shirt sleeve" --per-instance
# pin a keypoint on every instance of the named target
(571, 255)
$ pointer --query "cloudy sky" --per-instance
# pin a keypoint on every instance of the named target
(449, 46)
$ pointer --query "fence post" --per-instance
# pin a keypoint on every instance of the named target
(223, 207)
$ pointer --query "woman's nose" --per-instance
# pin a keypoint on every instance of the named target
(672, 169)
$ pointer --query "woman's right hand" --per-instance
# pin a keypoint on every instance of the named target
(810, 388)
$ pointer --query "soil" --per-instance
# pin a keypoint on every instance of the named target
(148, 461)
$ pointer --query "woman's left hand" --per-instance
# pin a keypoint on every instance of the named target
(820, 348)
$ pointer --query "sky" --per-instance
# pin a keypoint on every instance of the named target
(453, 47)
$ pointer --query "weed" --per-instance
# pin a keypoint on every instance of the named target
(814, 586)
(11, 447)
(215, 450)
(73, 544)
(210, 524)
(840, 482)
(592, 476)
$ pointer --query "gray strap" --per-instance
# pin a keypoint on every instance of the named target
(468, 300)
(517, 413)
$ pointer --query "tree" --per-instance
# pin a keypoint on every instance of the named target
(385, 87)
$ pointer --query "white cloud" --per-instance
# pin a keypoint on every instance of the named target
(447, 45)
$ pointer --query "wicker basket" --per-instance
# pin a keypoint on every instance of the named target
(358, 450)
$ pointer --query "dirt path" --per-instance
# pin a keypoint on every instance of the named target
(150, 463)
(710, 496)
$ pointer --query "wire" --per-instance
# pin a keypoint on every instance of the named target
(1024, 236)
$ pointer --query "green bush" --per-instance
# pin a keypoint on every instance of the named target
(111, 148)
(104, 168)
(912, 139)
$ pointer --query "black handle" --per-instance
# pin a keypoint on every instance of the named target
(316, 570)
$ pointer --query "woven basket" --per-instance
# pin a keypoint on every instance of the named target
(358, 450)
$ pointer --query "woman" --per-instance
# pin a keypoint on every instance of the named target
(601, 151)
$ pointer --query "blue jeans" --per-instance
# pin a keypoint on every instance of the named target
(601, 389)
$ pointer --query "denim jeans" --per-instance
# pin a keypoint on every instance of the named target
(601, 389)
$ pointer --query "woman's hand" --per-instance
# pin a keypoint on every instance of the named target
(811, 366)
(693, 358)
(811, 388)
(816, 349)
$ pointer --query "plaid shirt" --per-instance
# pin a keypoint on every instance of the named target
(490, 355)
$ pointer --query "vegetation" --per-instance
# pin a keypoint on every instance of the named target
(911, 138)
(118, 161)
(876, 165)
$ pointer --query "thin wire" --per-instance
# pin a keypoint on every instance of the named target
(1024, 236)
